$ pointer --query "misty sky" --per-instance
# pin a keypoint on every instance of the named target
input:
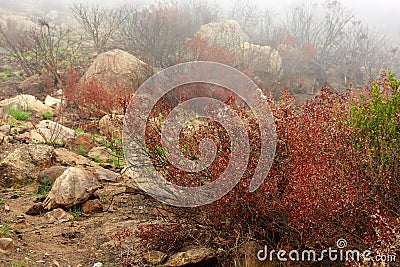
(381, 15)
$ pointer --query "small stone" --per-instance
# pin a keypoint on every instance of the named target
(20, 129)
(21, 224)
(6, 208)
(5, 129)
(75, 186)
(57, 215)
(56, 263)
(155, 257)
(105, 175)
(51, 132)
(63, 156)
(6, 245)
(82, 144)
(92, 206)
(49, 175)
(52, 102)
(36, 209)
(196, 256)
(103, 154)
(98, 264)
(5, 140)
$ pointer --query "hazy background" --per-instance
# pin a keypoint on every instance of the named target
(341, 42)
(382, 15)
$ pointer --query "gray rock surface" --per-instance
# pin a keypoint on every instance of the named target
(50, 132)
(191, 257)
(24, 163)
(118, 66)
(25, 103)
(73, 187)
(6, 245)
(225, 34)
(259, 60)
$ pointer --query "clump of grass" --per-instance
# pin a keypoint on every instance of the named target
(12, 122)
(75, 212)
(47, 115)
(18, 114)
(4, 228)
(6, 75)
(79, 131)
(117, 163)
(81, 151)
(105, 200)
(18, 264)
(16, 186)
(97, 160)
(43, 190)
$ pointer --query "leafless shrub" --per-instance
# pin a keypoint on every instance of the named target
(46, 48)
(99, 23)
(363, 51)
(157, 34)
(154, 34)
(255, 22)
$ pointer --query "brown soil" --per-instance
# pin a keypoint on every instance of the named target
(82, 241)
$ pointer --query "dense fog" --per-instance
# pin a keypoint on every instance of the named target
(306, 44)
(199, 133)
(382, 15)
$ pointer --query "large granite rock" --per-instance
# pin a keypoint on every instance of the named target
(224, 34)
(73, 187)
(117, 66)
(24, 163)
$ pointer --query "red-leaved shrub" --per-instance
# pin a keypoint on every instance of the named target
(319, 189)
(202, 50)
(90, 99)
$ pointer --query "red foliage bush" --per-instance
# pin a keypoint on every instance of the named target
(319, 189)
(320, 174)
(202, 50)
(291, 40)
(164, 237)
(91, 99)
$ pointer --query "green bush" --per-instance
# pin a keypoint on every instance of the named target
(375, 119)
(47, 115)
(18, 114)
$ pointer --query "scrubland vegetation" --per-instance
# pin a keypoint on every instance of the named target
(335, 99)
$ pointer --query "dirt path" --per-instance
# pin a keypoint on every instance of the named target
(82, 241)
